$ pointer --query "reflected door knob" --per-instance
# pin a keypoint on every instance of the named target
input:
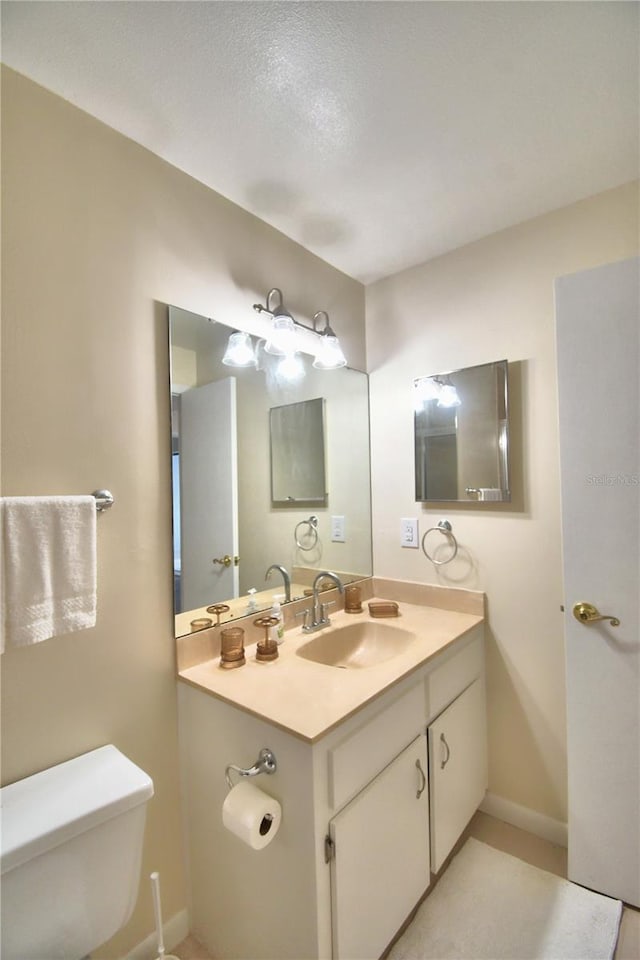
(587, 613)
(226, 561)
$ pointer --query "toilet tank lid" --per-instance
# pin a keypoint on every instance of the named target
(51, 807)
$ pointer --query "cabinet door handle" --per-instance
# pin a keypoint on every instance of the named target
(423, 780)
(444, 743)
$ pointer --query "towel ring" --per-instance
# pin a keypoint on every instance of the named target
(312, 524)
(443, 527)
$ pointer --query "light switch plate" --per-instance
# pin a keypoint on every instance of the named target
(337, 529)
(409, 532)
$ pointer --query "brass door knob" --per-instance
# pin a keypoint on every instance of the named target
(587, 613)
(226, 561)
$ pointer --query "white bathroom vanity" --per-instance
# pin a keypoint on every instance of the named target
(379, 770)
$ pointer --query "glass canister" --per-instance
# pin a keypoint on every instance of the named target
(232, 647)
(352, 599)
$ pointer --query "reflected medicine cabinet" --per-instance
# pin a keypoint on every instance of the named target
(461, 432)
(297, 453)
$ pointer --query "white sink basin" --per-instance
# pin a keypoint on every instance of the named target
(357, 645)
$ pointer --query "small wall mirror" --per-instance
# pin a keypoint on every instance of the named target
(297, 453)
(245, 440)
(462, 435)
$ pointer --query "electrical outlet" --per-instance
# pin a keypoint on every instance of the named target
(337, 529)
(409, 532)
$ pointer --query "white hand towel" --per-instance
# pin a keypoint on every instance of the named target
(49, 567)
(490, 493)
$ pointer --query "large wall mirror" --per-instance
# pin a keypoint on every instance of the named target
(236, 512)
(462, 435)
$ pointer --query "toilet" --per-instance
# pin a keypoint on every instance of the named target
(71, 850)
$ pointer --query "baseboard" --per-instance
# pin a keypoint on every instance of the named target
(174, 931)
(555, 831)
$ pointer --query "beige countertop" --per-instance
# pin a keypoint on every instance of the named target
(308, 699)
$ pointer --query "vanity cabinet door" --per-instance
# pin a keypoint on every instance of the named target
(380, 865)
(457, 769)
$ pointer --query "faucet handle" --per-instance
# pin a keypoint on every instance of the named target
(305, 614)
(323, 609)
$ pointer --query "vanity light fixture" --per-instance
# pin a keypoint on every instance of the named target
(425, 389)
(282, 338)
(438, 388)
(240, 351)
(448, 394)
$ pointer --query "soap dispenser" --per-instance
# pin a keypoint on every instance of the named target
(277, 631)
(252, 605)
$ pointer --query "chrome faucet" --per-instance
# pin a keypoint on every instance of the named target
(285, 577)
(319, 618)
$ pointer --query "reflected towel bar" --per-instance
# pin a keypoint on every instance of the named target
(312, 533)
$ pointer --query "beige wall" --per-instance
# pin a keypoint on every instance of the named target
(98, 234)
(488, 301)
(347, 474)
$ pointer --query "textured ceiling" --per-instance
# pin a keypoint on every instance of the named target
(376, 134)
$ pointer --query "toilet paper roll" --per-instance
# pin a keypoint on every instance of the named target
(252, 815)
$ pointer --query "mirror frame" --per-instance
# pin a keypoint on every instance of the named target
(500, 493)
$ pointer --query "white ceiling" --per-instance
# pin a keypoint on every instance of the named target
(376, 134)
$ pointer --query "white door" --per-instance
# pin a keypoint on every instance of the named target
(457, 769)
(208, 493)
(597, 317)
(381, 858)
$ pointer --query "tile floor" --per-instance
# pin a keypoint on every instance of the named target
(520, 844)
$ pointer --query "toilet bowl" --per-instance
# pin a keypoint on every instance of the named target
(71, 849)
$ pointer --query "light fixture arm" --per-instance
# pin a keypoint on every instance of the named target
(270, 295)
(269, 308)
(327, 332)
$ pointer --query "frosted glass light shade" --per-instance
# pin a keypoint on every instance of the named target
(282, 338)
(240, 351)
(291, 368)
(329, 355)
(448, 396)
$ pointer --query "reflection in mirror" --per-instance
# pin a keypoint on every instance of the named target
(228, 531)
(462, 435)
(297, 453)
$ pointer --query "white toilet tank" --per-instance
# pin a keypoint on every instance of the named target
(71, 847)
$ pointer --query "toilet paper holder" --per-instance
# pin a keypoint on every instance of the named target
(266, 763)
